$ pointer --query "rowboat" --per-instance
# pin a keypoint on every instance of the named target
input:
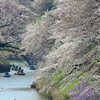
(19, 73)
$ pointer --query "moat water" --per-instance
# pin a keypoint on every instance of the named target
(18, 87)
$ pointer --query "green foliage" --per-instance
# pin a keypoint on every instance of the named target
(65, 89)
(83, 75)
(5, 53)
(89, 49)
(5, 48)
(65, 97)
(57, 78)
(3, 61)
(37, 20)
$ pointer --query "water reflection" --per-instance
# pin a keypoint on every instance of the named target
(18, 88)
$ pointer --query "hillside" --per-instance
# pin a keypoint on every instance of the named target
(15, 15)
(66, 43)
(63, 38)
(13, 21)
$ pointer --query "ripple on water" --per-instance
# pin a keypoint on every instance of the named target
(18, 87)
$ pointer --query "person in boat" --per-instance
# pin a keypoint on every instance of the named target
(16, 68)
(19, 70)
(13, 66)
(22, 71)
(7, 75)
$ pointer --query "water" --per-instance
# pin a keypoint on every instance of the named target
(18, 88)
